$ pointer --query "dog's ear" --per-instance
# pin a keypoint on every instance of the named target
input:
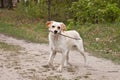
(63, 26)
(48, 24)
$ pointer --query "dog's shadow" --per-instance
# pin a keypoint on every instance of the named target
(70, 68)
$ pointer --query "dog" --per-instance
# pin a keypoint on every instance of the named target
(62, 41)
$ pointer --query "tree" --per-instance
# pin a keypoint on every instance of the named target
(2, 4)
(49, 5)
(10, 4)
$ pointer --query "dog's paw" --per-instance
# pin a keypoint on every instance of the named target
(48, 66)
(59, 69)
(67, 65)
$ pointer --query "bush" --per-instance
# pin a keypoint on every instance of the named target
(95, 11)
(58, 9)
(112, 13)
(80, 11)
(32, 9)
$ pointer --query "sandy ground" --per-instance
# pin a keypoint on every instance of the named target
(28, 63)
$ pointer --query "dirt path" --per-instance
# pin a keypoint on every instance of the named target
(27, 64)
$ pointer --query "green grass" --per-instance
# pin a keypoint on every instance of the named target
(8, 47)
(31, 33)
(23, 28)
(108, 45)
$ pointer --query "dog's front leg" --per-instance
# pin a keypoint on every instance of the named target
(51, 58)
(60, 68)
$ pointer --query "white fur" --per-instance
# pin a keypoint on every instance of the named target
(62, 44)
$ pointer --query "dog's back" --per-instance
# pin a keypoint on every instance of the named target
(72, 33)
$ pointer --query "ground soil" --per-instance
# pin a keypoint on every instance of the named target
(27, 64)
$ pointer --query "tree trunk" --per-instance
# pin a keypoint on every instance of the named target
(10, 4)
(18, 1)
(49, 5)
(2, 4)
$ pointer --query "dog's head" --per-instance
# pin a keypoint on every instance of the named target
(55, 27)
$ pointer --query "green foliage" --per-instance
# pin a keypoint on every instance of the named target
(112, 13)
(95, 11)
(58, 9)
(81, 11)
(32, 9)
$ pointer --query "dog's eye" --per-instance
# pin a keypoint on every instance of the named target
(53, 26)
(58, 27)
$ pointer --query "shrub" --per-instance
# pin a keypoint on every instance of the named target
(95, 11)
(32, 9)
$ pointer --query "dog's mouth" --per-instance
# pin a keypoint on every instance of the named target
(55, 32)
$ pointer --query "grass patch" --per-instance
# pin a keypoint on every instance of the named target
(25, 32)
(8, 47)
(22, 28)
(102, 40)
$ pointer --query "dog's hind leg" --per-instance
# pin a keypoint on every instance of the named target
(66, 64)
(82, 52)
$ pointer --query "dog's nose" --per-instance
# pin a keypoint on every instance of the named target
(55, 32)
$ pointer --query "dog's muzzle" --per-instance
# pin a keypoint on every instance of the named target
(55, 32)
